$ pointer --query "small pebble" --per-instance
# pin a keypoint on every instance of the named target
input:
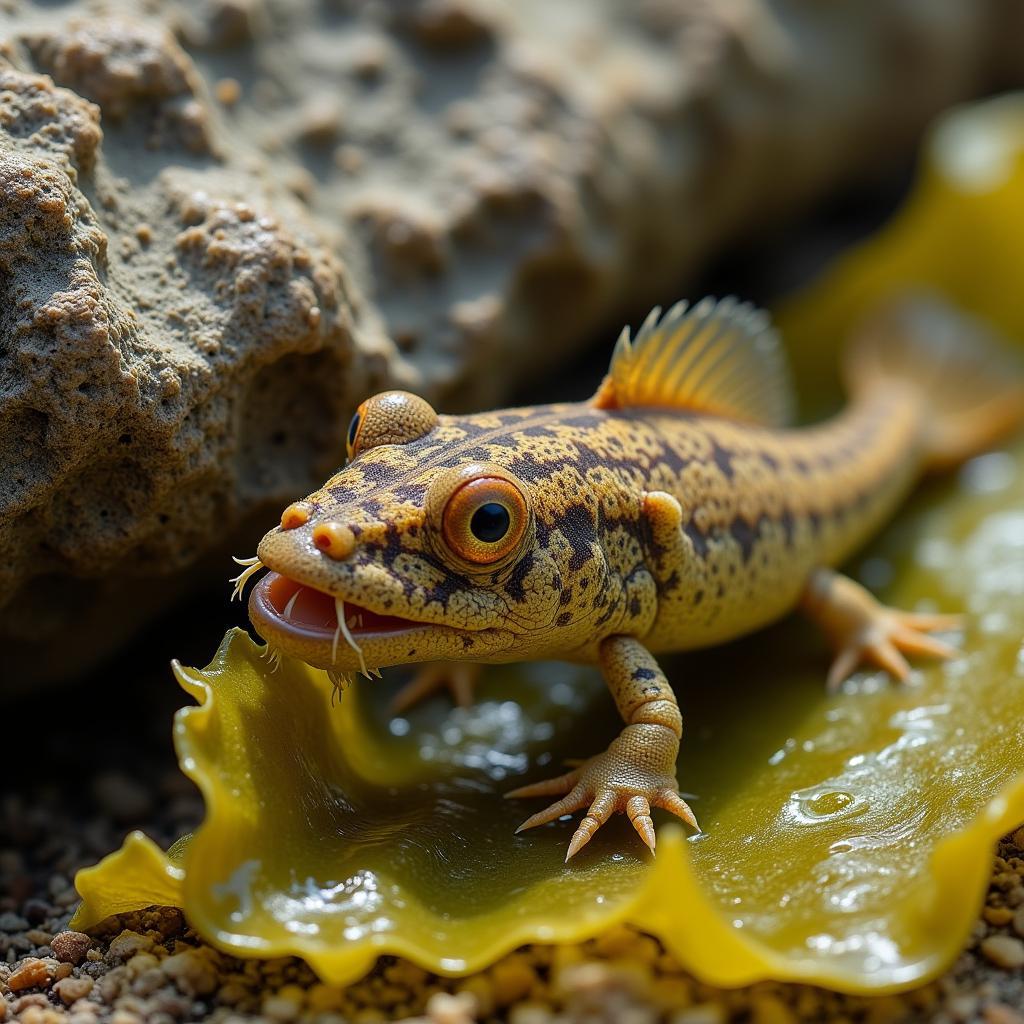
(12, 923)
(280, 1008)
(127, 944)
(1004, 951)
(71, 990)
(443, 1008)
(70, 947)
(192, 972)
(1000, 1013)
(36, 911)
(998, 916)
(31, 974)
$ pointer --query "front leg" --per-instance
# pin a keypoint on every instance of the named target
(638, 770)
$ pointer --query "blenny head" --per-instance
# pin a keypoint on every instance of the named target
(414, 551)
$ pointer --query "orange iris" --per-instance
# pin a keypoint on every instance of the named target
(352, 435)
(485, 519)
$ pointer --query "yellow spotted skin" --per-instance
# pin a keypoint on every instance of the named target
(649, 530)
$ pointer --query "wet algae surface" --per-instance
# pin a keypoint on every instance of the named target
(840, 831)
(847, 839)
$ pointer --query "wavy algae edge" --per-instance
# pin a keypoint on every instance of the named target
(669, 903)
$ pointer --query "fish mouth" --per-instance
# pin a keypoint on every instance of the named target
(331, 632)
(310, 613)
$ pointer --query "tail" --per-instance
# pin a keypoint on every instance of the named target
(971, 385)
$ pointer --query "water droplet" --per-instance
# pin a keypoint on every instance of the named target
(824, 803)
(828, 804)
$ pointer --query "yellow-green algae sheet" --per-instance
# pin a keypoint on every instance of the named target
(848, 838)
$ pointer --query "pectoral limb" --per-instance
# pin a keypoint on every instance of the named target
(638, 770)
(861, 629)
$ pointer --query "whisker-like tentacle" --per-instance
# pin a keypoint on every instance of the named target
(340, 682)
(339, 608)
(252, 566)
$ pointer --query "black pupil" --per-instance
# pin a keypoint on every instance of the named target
(352, 428)
(490, 522)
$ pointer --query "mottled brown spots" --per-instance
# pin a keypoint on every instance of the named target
(577, 526)
(514, 584)
(745, 535)
(699, 540)
(759, 508)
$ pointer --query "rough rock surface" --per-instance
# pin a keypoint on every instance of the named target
(224, 221)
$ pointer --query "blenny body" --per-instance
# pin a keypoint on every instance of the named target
(674, 510)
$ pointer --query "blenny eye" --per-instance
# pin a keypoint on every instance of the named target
(353, 431)
(485, 519)
(392, 417)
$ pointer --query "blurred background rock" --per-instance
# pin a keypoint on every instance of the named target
(224, 223)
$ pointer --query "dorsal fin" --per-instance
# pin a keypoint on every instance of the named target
(721, 357)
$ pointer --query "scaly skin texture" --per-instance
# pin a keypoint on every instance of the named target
(647, 530)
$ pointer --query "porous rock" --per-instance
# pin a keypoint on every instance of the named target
(195, 294)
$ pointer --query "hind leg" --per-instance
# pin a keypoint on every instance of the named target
(861, 629)
(457, 677)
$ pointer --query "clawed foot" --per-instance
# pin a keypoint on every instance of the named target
(457, 677)
(886, 638)
(864, 630)
(607, 783)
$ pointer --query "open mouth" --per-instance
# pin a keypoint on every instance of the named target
(311, 613)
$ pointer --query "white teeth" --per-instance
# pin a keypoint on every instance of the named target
(290, 605)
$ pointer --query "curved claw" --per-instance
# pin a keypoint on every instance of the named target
(603, 802)
(557, 786)
(927, 620)
(575, 800)
(639, 812)
(669, 800)
(597, 814)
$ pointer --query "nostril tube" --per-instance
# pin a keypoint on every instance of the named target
(296, 514)
(334, 540)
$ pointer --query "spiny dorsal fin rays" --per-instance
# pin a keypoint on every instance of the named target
(719, 356)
